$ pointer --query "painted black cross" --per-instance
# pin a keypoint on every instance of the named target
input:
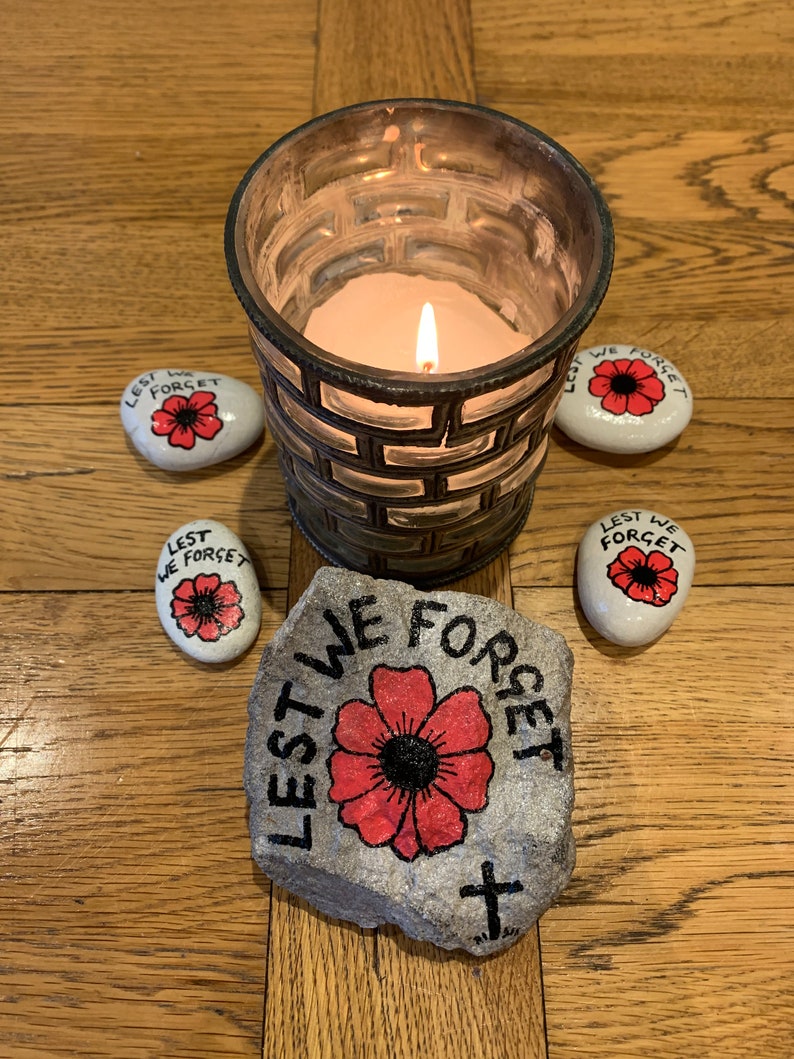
(491, 890)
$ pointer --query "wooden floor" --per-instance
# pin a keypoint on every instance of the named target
(133, 921)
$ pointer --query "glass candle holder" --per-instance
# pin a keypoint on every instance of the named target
(398, 472)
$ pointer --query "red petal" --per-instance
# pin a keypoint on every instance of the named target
(229, 618)
(352, 775)
(188, 623)
(209, 630)
(185, 590)
(360, 728)
(666, 586)
(599, 385)
(162, 422)
(207, 426)
(458, 723)
(639, 370)
(406, 841)
(616, 403)
(202, 401)
(605, 370)
(181, 606)
(631, 557)
(377, 815)
(439, 822)
(404, 697)
(622, 579)
(639, 405)
(174, 404)
(227, 593)
(640, 593)
(659, 562)
(652, 388)
(668, 577)
(207, 583)
(623, 367)
(182, 437)
(465, 779)
(616, 569)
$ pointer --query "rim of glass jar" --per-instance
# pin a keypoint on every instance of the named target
(413, 387)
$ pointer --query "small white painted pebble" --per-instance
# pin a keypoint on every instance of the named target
(633, 573)
(207, 592)
(182, 420)
(623, 399)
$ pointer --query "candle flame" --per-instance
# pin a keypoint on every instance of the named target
(427, 341)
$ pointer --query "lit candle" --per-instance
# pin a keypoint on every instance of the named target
(393, 466)
(372, 321)
(427, 341)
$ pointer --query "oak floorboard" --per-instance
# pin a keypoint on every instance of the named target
(675, 934)
(726, 480)
(567, 28)
(132, 921)
(729, 475)
(55, 493)
(336, 989)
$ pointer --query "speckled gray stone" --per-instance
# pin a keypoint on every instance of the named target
(408, 761)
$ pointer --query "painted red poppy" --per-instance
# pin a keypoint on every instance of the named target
(650, 578)
(626, 386)
(408, 768)
(184, 419)
(206, 606)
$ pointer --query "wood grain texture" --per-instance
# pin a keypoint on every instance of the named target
(134, 922)
(334, 989)
(377, 50)
(57, 493)
(675, 936)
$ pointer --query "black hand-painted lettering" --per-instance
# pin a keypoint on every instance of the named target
(303, 841)
(286, 702)
(419, 622)
(516, 686)
(360, 623)
(502, 649)
(553, 750)
(292, 800)
(283, 752)
(333, 667)
(468, 643)
(528, 710)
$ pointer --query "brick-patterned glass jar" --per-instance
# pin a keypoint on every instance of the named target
(396, 473)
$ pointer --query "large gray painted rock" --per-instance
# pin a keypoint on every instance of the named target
(408, 761)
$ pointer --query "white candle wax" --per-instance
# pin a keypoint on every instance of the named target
(374, 319)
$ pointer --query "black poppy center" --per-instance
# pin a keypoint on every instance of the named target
(623, 384)
(409, 762)
(205, 605)
(644, 576)
(186, 417)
